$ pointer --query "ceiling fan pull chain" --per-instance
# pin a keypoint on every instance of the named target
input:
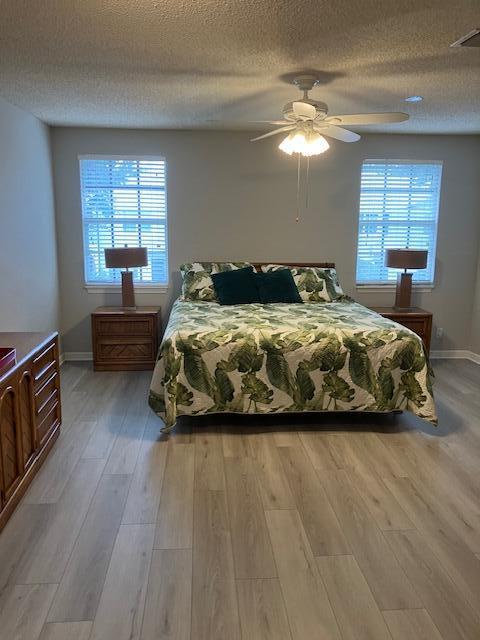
(299, 155)
(306, 182)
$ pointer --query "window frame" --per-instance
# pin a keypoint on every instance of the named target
(424, 286)
(109, 287)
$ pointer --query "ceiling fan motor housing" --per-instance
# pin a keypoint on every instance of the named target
(320, 107)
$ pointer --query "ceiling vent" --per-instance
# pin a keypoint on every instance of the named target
(471, 39)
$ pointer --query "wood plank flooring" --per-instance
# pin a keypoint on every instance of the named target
(338, 527)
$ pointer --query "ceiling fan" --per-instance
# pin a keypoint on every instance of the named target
(306, 122)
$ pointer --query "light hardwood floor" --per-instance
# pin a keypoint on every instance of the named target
(280, 528)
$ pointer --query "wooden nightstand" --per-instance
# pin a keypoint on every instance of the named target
(125, 340)
(418, 320)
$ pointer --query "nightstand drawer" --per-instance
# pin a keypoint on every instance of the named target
(125, 348)
(418, 326)
(125, 326)
(415, 319)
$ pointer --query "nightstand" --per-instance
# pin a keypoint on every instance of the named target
(416, 319)
(125, 340)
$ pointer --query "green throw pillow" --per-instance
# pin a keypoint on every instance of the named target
(278, 286)
(314, 284)
(236, 287)
(197, 278)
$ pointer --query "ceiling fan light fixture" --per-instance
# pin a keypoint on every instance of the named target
(307, 144)
(316, 145)
(293, 143)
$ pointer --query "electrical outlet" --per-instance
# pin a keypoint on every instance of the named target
(439, 332)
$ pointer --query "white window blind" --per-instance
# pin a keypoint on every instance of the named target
(124, 203)
(399, 203)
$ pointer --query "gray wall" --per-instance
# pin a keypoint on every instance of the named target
(229, 199)
(475, 329)
(28, 257)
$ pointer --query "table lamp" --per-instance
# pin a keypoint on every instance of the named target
(405, 259)
(126, 257)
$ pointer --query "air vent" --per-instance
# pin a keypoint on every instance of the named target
(471, 39)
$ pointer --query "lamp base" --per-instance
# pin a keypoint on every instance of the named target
(128, 295)
(403, 295)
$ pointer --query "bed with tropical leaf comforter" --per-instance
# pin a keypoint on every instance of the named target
(255, 358)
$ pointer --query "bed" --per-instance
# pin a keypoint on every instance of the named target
(275, 358)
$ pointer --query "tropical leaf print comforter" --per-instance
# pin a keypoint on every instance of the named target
(256, 358)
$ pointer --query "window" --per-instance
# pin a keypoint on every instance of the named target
(399, 202)
(124, 203)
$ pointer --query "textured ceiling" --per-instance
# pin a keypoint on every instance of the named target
(219, 64)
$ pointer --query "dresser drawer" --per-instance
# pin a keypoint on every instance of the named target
(48, 418)
(124, 326)
(44, 365)
(45, 393)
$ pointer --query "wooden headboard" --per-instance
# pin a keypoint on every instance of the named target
(323, 265)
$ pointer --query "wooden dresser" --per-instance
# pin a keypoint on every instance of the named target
(125, 339)
(30, 413)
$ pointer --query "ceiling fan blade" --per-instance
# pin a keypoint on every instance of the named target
(284, 122)
(337, 132)
(274, 133)
(304, 111)
(368, 118)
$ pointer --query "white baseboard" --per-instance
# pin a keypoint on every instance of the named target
(451, 354)
(76, 356)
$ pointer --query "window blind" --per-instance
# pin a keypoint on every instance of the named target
(124, 203)
(399, 203)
